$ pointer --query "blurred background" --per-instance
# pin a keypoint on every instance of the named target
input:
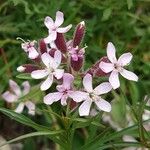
(126, 23)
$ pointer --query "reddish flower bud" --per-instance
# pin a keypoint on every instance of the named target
(42, 46)
(61, 43)
(95, 70)
(27, 68)
(79, 34)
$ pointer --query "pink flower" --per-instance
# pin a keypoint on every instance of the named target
(117, 66)
(63, 93)
(50, 71)
(29, 47)
(93, 95)
(16, 93)
(54, 27)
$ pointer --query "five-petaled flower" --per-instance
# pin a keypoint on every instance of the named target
(16, 93)
(54, 27)
(93, 95)
(50, 71)
(117, 66)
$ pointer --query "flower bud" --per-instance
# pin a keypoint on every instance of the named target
(61, 43)
(79, 34)
(42, 46)
(27, 68)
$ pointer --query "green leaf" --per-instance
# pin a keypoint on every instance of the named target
(106, 14)
(26, 76)
(130, 4)
(49, 133)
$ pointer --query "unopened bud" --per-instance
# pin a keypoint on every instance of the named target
(42, 46)
(27, 68)
(61, 43)
(79, 34)
(77, 65)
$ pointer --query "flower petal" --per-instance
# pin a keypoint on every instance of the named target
(58, 73)
(111, 52)
(103, 88)
(103, 105)
(9, 97)
(129, 75)
(38, 74)
(49, 23)
(87, 83)
(19, 108)
(26, 87)
(47, 59)
(114, 79)
(31, 107)
(52, 97)
(33, 53)
(57, 59)
(125, 59)
(84, 108)
(106, 67)
(51, 37)
(47, 83)
(78, 96)
(64, 29)
(59, 18)
(64, 100)
(14, 87)
(67, 80)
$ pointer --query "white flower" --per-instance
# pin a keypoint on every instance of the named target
(50, 71)
(54, 27)
(16, 93)
(93, 95)
(117, 66)
(29, 47)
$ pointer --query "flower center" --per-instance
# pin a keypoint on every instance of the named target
(118, 67)
(93, 96)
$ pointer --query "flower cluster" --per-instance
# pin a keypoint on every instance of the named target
(61, 61)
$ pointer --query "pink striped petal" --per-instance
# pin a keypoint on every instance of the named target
(19, 108)
(47, 59)
(31, 107)
(58, 73)
(106, 67)
(57, 59)
(103, 105)
(59, 19)
(111, 52)
(125, 59)
(64, 100)
(129, 75)
(52, 97)
(14, 87)
(49, 23)
(39, 74)
(67, 80)
(84, 108)
(9, 97)
(114, 79)
(33, 53)
(51, 37)
(64, 29)
(87, 83)
(26, 87)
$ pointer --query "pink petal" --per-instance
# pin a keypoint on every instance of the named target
(14, 87)
(111, 52)
(9, 97)
(31, 107)
(103, 105)
(87, 83)
(19, 108)
(114, 79)
(129, 75)
(57, 59)
(106, 67)
(58, 73)
(47, 59)
(52, 97)
(64, 29)
(125, 59)
(78, 96)
(64, 100)
(67, 80)
(38, 74)
(51, 37)
(103, 88)
(33, 53)
(84, 108)
(47, 83)
(26, 87)
(49, 23)
(59, 18)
